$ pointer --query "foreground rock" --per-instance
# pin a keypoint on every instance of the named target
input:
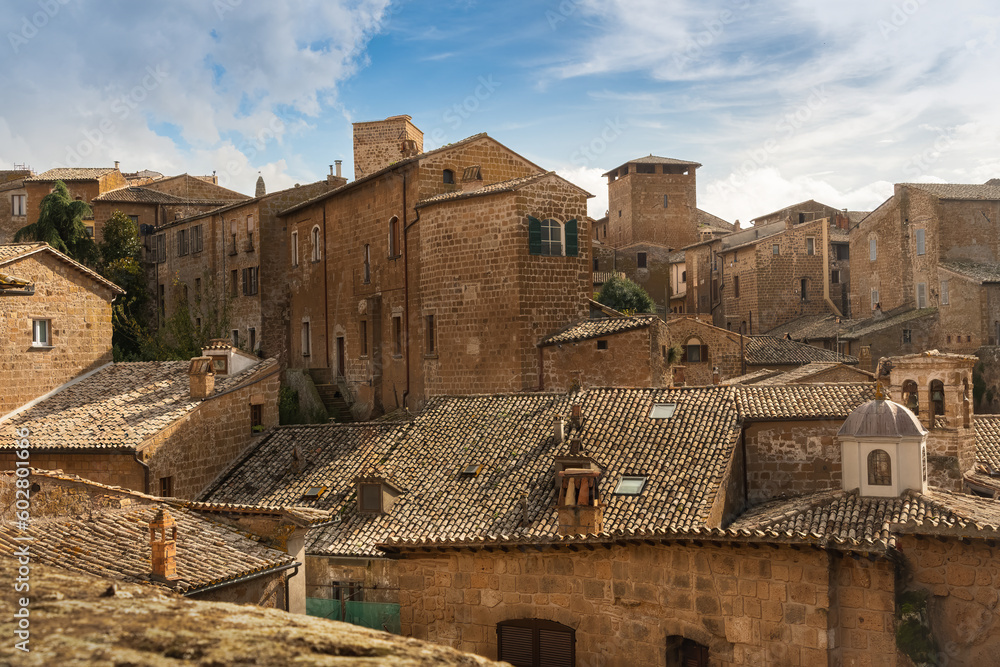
(78, 619)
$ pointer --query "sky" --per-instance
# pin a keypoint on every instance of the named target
(779, 101)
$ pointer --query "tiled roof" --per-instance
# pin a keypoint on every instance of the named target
(510, 436)
(988, 439)
(114, 543)
(958, 190)
(811, 327)
(72, 174)
(872, 325)
(706, 219)
(752, 378)
(12, 251)
(492, 188)
(118, 407)
(797, 401)
(607, 326)
(140, 195)
(815, 368)
(771, 350)
(857, 216)
(977, 271)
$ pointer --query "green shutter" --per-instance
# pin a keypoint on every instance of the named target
(534, 236)
(572, 246)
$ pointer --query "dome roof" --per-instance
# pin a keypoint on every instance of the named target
(881, 419)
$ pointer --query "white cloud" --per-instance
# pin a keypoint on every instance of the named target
(590, 179)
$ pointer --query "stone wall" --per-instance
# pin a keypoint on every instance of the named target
(377, 144)
(794, 458)
(496, 162)
(267, 591)
(377, 577)
(79, 311)
(636, 207)
(196, 448)
(114, 468)
(749, 606)
(724, 350)
(192, 187)
(861, 612)
(12, 185)
(654, 277)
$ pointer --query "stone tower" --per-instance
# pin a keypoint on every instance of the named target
(653, 200)
(380, 143)
(937, 387)
(261, 190)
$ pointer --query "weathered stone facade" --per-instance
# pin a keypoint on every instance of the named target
(13, 202)
(76, 304)
(377, 144)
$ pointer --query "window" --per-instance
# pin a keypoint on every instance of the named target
(295, 248)
(250, 275)
(315, 242)
(874, 298)
(363, 336)
(640, 260)
(370, 496)
(879, 468)
(602, 345)
(368, 264)
(306, 340)
(220, 364)
(683, 652)
(937, 397)
(40, 333)
(736, 286)
(662, 410)
(397, 335)
(250, 230)
(18, 205)
(775, 249)
(802, 218)
(684, 276)
(256, 418)
(232, 233)
(161, 247)
(234, 289)
(253, 338)
(872, 249)
(630, 485)
(695, 352)
(921, 244)
(133, 218)
(196, 241)
(921, 295)
(197, 323)
(911, 398)
(944, 293)
(431, 335)
(810, 246)
(803, 286)
(314, 492)
(665, 201)
(235, 335)
(166, 487)
(907, 335)
(835, 276)
(597, 264)
(163, 302)
(89, 230)
(394, 237)
(533, 642)
(448, 176)
(551, 238)
(471, 470)
(843, 251)
(182, 242)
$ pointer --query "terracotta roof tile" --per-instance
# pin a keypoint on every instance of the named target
(492, 188)
(140, 195)
(607, 326)
(958, 190)
(979, 272)
(988, 439)
(72, 174)
(13, 251)
(771, 350)
(797, 401)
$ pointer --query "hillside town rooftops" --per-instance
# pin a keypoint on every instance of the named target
(770, 350)
(71, 174)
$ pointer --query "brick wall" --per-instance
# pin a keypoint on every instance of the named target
(113, 469)
(786, 459)
(197, 447)
(631, 359)
(636, 211)
(267, 591)
(377, 144)
(749, 606)
(497, 163)
(79, 312)
(12, 187)
(192, 187)
(723, 350)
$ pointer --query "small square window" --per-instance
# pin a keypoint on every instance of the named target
(640, 260)
(40, 334)
(775, 249)
(810, 246)
(907, 335)
(630, 485)
(167, 487)
(314, 492)
(602, 345)
(662, 410)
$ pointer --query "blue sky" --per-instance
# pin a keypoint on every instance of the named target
(780, 102)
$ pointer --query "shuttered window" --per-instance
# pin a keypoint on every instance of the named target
(534, 642)
(572, 235)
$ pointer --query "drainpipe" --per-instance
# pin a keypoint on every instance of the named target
(145, 472)
(826, 271)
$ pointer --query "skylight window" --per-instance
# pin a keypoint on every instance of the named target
(630, 485)
(662, 410)
(314, 492)
(471, 470)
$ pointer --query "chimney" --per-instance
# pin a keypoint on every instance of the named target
(576, 418)
(559, 428)
(579, 506)
(116, 165)
(164, 550)
(201, 378)
(338, 163)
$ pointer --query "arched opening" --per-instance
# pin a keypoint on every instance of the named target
(448, 176)
(937, 398)
(879, 468)
(536, 642)
(803, 289)
(316, 249)
(911, 399)
(682, 652)
(393, 236)
(695, 352)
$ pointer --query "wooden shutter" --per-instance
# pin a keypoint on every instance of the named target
(516, 645)
(555, 648)
(704, 352)
(244, 281)
(572, 244)
(534, 236)
(535, 642)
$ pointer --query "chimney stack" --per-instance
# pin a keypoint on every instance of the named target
(579, 505)
(338, 163)
(164, 550)
(559, 428)
(577, 416)
(201, 378)
(116, 165)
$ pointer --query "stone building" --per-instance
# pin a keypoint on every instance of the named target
(722, 525)
(228, 265)
(164, 427)
(758, 278)
(13, 202)
(56, 322)
(652, 211)
(434, 272)
(937, 246)
(84, 184)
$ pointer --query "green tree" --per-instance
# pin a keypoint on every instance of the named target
(60, 224)
(625, 296)
(121, 263)
(180, 337)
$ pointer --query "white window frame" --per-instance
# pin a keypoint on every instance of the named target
(18, 206)
(945, 296)
(548, 243)
(41, 332)
(295, 248)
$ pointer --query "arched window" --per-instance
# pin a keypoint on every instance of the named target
(317, 250)
(683, 652)
(535, 642)
(393, 236)
(695, 352)
(911, 399)
(937, 398)
(448, 176)
(879, 468)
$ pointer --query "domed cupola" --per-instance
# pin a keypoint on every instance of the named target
(883, 449)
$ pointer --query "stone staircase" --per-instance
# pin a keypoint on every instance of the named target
(336, 406)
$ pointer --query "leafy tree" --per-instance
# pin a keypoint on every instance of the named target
(121, 263)
(60, 224)
(179, 337)
(625, 296)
